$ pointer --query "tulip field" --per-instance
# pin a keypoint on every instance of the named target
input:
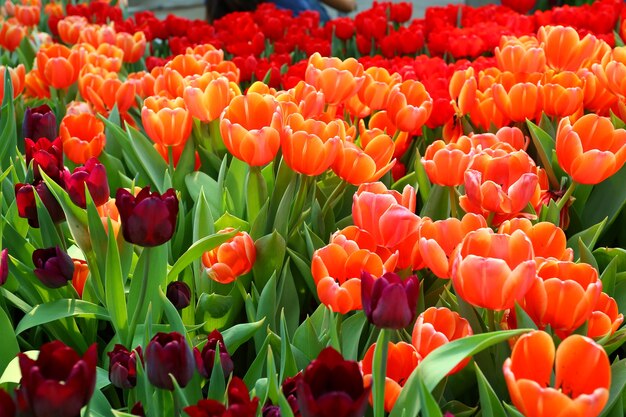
(270, 215)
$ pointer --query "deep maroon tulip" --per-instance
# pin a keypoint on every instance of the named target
(206, 359)
(27, 206)
(94, 174)
(332, 387)
(179, 294)
(389, 301)
(270, 410)
(239, 403)
(47, 155)
(4, 266)
(7, 405)
(149, 219)
(289, 389)
(123, 366)
(138, 410)
(53, 267)
(59, 383)
(39, 122)
(169, 353)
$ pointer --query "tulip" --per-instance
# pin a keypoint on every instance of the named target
(409, 106)
(338, 80)
(53, 267)
(564, 49)
(11, 34)
(559, 101)
(47, 156)
(149, 219)
(169, 353)
(590, 150)
(123, 366)
(582, 376)
(133, 45)
(59, 383)
(239, 403)
(493, 270)
(231, 259)
(605, 318)
(104, 90)
(207, 96)
(206, 359)
(179, 294)
(83, 137)
(35, 85)
(549, 240)
(358, 166)
(445, 164)
(389, 301)
(167, 122)
(56, 67)
(94, 176)
(18, 79)
(520, 6)
(7, 405)
(374, 92)
(332, 386)
(138, 410)
(520, 102)
(81, 273)
(28, 15)
(70, 27)
(39, 122)
(515, 57)
(250, 126)
(436, 327)
(27, 207)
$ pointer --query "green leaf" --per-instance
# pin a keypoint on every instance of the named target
(588, 236)
(437, 206)
(430, 407)
(114, 288)
(544, 144)
(305, 338)
(59, 309)
(217, 385)
(198, 181)
(489, 402)
(149, 157)
(255, 370)
(441, 361)
(8, 126)
(288, 366)
(606, 200)
(239, 334)
(173, 318)
(351, 334)
(267, 303)
(271, 249)
(512, 411)
(523, 319)
(9, 347)
(618, 382)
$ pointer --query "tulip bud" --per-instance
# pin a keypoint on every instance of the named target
(27, 206)
(123, 366)
(53, 267)
(389, 301)
(47, 156)
(169, 353)
(239, 403)
(4, 266)
(206, 359)
(39, 122)
(7, 406)
(231, 259)
(138, 410)
(81, 272)
(179, 294)
(94, 175)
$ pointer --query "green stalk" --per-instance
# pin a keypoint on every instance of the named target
(379, 372)
(142, 298)
(568, 193)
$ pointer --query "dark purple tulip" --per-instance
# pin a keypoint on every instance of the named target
(123, 366)
(270, 410)
(179, 294)
(332, 387)
(138, 410)
(94, 174)
(389, 301)
(149, 219)
(59, 383)
(27, 206)
(47, 156)
(288, 388)
(206, 359)
(53, 267)
(39, 122)
(169, 353)
(7, 405)
(4, 266)
(239, 403)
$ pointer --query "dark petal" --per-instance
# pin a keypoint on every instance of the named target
(75, 187)
(393, 311)
(4, 266)
(125, 203)
(412, 288)
(41, 256)
(56, 360)
(138, 410)
(392, 278)
(50, 202)
(206, 408)
(26, 205)
(238, 392)
(179, 294)
(54, 399)
(7, 406)
(98, 184)
(200, 363)
(271, 411)
(337, 404)
(367, 283)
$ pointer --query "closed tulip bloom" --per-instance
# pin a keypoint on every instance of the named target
(70, 27)
(169, 354)
(148, 219)
(7, 405)
(445, 164)
(239, 403)
(494, 270)
(47, 156)
(338, 80)
(564, 49)
(310, 102)
(438, 239)
(582, 376)
(522, 101)
(437, 326)
(56, 67)
(597, 97)
(179, 294)
(389, 301)
(559, 101)
(409, 106)
(11, 34)
(486, 113)
(35, 85)
(167, 122)
(123, 366)
(27, 206)
(81, 273)
(590, 150)
(611, 71)
(59, 383)
(208, 95)
(332, 386)
(28, 15)
(104, 90)
(53, 267)
(549, 240)
(83, 137)
(39, 122)
(251, 126)
(4, 266)
(514, 57)
(605, 318)
(358, 166)
(402, 359)
(93, 175)
(374, 92)
(231, 259)
(133, 45)
(205, 360)
(17, 75)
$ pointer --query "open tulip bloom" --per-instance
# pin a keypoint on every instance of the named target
(276, 213)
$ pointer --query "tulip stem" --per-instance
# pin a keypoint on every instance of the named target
(334, 197)
(142, 298)
(568, 193)
(379, 372)
(95, 275)
(453, 202)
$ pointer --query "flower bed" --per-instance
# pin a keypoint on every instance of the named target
(266, 216)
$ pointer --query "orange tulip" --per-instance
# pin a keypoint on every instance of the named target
(167, 122)
(55, 65)
(380, 123)
(409, 106)
(612, 70)
(446, 164)
(564, 297)
(309, 146)
(107, 56)
(521, 102)
(53, 9)
(96, 35)
(338, 80)
(207, 96)
(231, 259)
(81, 272)
(605, 318)
(36, 85)
(251, 126)
(356, 108)
(564, 49)
(493, 270)
(436, 327)
(83, 137)
(486, 113)
(11, 34)
(207, 52)
(104, 90)
(70, 27)
(374, 92)
(358, 166)
(17, 75)
(438, 239)
(402, 359)
(582, 376)
(462, 89)
(144, 83)
(597, 97)
(309, 101)
(28, 15)
(549, 240)
(591, 149)
(108, 211)
(133, 45)
(517, 58)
